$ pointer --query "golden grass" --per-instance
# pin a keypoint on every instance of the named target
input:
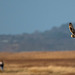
(39, 63)
(53, 69)
(48, 70)
(38, 55)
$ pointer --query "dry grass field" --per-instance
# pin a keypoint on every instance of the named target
(38, 63)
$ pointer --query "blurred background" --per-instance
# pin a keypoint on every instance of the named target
(36, 25)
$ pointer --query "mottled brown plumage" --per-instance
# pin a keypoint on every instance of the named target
(72, 30)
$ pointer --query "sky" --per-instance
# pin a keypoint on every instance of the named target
(27, 16)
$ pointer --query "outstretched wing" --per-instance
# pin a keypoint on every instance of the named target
(72, 30)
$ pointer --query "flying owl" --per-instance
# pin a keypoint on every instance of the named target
(72, 30)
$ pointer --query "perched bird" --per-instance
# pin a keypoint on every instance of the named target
(1, 65)
(72, 30)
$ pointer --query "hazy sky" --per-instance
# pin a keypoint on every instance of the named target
(26, 16)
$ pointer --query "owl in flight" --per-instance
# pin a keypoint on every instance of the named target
(72, 30)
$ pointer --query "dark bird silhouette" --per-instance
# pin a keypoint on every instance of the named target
(1, 65)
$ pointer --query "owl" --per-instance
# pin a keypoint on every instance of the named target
(72, 30)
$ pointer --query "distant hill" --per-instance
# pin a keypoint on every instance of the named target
(58, 38)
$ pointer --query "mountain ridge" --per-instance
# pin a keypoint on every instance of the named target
(58, 38)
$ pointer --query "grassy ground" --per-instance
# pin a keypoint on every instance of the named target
(39, 63)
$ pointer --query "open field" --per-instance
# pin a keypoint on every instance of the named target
(39, 63)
